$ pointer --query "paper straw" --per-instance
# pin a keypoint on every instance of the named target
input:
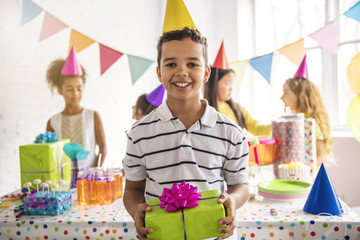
(99, 160)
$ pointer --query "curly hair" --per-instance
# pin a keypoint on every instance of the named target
(54, 78)
(310, 102)
(179, 35)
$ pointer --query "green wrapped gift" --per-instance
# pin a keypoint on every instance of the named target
(45, 161)
(201, 222)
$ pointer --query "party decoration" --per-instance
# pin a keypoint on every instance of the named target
(200, 222)
(50, 26)
(138, 66)
(71, 65)
(79, 40)
(221, 60)
(30, 10)
(155, 98)
(322, 199)
(353, 117)
(179, 196)
(354, 12)
(294, 52)
(262, 65)
(239, 68)
(353, 74)
(177, 16)
(107, 57)
(326, 37)
(302, 71)
(46, 137)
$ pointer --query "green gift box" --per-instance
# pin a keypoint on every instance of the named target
(45, 161)
(200, 222)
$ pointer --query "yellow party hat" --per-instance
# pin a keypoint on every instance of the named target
(177, 16)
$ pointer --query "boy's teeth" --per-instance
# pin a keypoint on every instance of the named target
(181, 84)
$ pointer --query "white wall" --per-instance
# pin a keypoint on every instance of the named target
(131, 27)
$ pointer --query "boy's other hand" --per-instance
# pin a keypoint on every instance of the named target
(230, 219)
(139, 221)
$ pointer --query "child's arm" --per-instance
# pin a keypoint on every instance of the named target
(134, 202)
(235, 197)
(48, 127)
(100, 138)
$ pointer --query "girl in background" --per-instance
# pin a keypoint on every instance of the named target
(82, 126)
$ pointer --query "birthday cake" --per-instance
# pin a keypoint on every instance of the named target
(294, 170)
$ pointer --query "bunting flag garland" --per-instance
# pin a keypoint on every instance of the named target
(354, 12)
(138, 66)
(262, 64)
(30, 10)
(107, 57)
(175, 10)
(239, 68)
(295, 52)
(79, 41)
(326, 37)
(51, 25)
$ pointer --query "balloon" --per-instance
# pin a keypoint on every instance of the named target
(353, 117)
(353, 73)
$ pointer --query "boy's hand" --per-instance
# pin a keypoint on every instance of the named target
(139, 221)
(230, 219)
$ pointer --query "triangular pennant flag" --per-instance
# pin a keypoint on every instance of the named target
(72, 65)
(239, 68)
(79, 40)
(302, 71)
(156, 97)
(262, 64)
(177, 16)
(29, 11)
(51, 25)
(326, 37)
(354, 12)
(138, 66)
(221, 61)
(322, 198)
(294, 51)
(107, 57)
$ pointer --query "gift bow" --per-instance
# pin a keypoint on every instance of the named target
(37, 202)
(254, 142)
(180, 196)
(46, 137)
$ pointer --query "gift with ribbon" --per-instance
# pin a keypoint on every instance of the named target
(263, 151)
(45, 161)
(48, 203)
(182, 213)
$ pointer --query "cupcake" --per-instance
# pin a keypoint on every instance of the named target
(294, 171)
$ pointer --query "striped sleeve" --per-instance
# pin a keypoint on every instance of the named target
(132, 163)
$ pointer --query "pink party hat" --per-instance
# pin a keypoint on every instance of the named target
(221, 60)
(322, 199)
(72, 66)
(302, 71)
(155, 98)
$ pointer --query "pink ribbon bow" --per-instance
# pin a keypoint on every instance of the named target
(181, 195)
(37, 202)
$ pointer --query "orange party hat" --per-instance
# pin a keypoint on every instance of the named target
(221, 60)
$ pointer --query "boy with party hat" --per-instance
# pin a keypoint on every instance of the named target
(184, 139)
(218, 92)
(82, 126)
(303, 96)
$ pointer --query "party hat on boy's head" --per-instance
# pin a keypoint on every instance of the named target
(221, 60)
(72, 66)
(302, 71)
(155, 98)
(177, 16)
(322, 198)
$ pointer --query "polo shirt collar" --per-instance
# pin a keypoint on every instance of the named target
(209, 117)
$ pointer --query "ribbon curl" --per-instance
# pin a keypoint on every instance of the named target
(180, 196)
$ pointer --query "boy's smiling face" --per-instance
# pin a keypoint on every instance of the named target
(182, 69)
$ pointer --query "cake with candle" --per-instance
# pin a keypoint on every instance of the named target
(48, 200)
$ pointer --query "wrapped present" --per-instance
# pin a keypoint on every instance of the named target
(200, 222)
(45, 161)
(47, 203)
(310, 144)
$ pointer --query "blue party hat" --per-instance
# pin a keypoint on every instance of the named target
(323, 199)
